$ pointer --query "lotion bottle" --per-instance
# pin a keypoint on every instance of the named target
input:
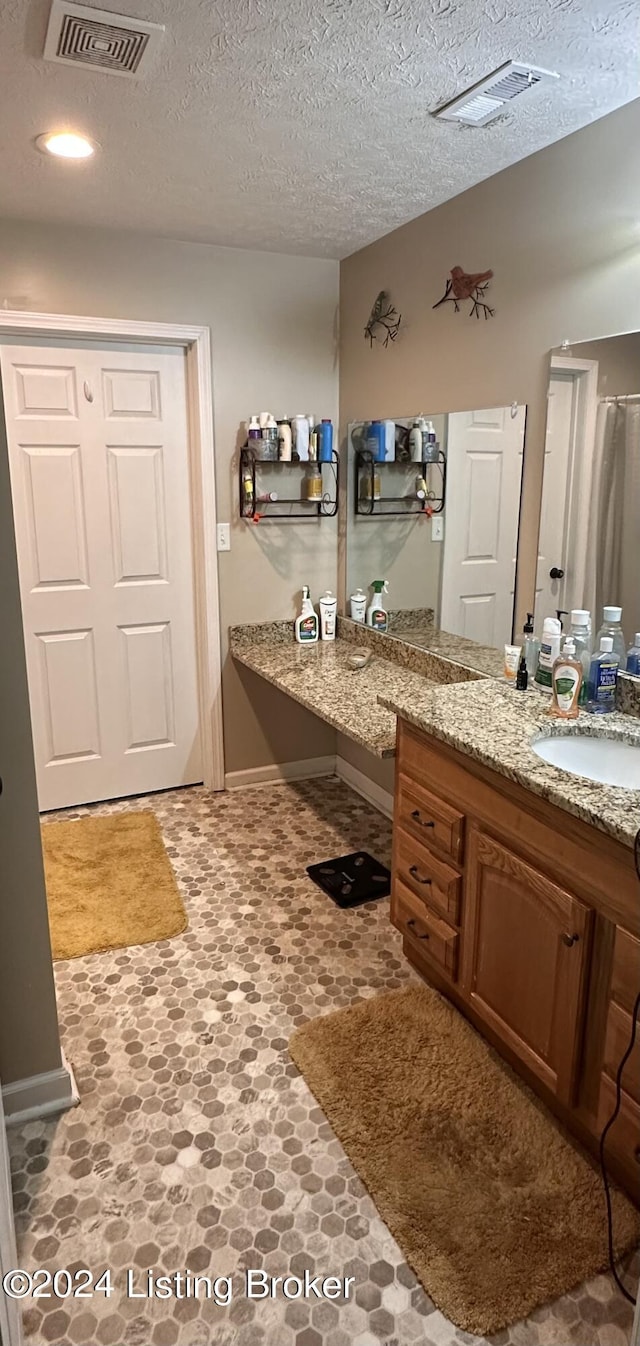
(307, 623)
(566, 680)
(328, 610)
(358, 606)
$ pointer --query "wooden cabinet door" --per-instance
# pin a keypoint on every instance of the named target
(525, 958)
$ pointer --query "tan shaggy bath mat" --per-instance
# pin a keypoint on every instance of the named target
(495, 1211)
(109, 884)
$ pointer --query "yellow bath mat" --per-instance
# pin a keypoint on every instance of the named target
(109, 884)
(493, 1207)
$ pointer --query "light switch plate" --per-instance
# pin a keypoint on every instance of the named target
(437, 528)
(224, 537)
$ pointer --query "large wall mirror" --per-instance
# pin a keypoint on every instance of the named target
(438, 522)
(589, 546)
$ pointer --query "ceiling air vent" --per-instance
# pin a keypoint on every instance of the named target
(487, 99)
(114, 43)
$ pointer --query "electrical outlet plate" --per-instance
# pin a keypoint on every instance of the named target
(437, 528)
(224, 537)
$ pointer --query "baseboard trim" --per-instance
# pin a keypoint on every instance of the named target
(374, 794)
(40, 1095)
(281, 771)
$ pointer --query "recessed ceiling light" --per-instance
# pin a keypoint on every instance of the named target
(66, 145)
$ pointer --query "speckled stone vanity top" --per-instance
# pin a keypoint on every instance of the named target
(494, 724)
(319, 677)
(425, 648)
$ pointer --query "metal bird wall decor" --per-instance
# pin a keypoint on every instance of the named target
(461, 286)
(384, 321)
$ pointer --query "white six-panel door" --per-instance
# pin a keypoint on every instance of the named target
(98, 450)
(484, 474)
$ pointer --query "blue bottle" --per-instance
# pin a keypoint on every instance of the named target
(325, 441)
(603, 675)
(633, 657)
(376, 441)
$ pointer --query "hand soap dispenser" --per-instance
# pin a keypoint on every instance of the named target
(377, 615)
(566, 680)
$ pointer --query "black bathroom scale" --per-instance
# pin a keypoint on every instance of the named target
(352, 879)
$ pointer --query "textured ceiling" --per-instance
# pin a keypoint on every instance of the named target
(298, 125)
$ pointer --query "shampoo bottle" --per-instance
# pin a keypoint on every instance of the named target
(377, 615)
(285, 440)
(566, 683)
(307, 622)
(549, 651)
(418, 439)
(328, 610)
(325, 444)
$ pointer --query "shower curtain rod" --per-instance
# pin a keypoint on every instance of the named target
(623, 397)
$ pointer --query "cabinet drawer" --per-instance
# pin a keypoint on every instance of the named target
(624, 1136)
(435, 939)
(625, 981)
(429, 819)
(618, 1037)
(429, 878)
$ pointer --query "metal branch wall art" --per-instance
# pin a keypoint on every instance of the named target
(461, 286)
(384, 321)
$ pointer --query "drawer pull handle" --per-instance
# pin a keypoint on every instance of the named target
(416, 815)
(636, 1154)
(570, 939)
(410, 925)
(414, 873)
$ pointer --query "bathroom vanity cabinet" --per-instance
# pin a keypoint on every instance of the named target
(528, 919)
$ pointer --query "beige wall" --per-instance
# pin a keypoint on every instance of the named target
(28, 1022)
(273, 321)
(618, 363)
(561, 231)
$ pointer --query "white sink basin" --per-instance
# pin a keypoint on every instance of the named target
(607, 760)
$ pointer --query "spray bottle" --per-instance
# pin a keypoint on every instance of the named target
(377, 615)
(306, 625)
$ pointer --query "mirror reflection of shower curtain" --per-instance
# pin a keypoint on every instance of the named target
(612, 572)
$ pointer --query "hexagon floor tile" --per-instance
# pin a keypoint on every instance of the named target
(197, 1144)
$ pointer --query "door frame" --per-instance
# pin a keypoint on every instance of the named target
(196, 342)
(584, 375)
(10, 1315)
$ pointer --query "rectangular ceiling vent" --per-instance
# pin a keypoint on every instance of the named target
(492, 95)
(114, 43)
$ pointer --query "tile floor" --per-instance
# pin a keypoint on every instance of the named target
(197, 1143)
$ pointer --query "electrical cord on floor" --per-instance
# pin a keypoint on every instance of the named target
(619, 1073)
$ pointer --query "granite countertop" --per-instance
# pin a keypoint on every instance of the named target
(494, 724)
(481, 658)
(319, 677)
